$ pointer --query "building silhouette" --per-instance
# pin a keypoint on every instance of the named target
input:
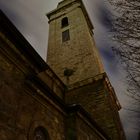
(67, 98)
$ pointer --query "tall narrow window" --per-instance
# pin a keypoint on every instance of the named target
(64, 22)
(65, 36)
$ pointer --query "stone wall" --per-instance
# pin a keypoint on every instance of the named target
(96, 99)
(23, 109)
(86, 131)
(78, 54)
(81, 126)
(32, 97)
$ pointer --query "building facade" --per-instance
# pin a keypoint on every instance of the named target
(73, 56)
(71, 45)
(72, 100)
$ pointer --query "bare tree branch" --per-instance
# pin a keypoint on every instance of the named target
(126, 32)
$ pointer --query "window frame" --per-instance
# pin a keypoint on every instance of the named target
(65, 35)
(43, 131)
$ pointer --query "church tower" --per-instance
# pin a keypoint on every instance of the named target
(73, 56)
(71, 49)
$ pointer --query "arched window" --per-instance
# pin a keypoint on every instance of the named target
(64, 22)
(41, 133)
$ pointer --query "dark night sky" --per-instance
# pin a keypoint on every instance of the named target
(29, 17)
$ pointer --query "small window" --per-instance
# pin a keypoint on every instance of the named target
(40, 133)
(64, 22)
(65, 36)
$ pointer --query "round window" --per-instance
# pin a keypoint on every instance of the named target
(40, 134)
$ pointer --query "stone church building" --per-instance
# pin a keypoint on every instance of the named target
(69, 97)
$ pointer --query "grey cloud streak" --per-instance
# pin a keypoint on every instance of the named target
(29, 17)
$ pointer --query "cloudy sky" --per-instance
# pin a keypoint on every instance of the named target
(29, 16)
